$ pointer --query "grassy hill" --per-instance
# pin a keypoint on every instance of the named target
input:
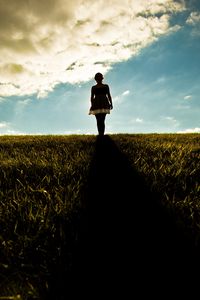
(74, 207)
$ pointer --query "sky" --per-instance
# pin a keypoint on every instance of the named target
(148, 52)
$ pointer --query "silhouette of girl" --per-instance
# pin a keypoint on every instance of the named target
(101, 102)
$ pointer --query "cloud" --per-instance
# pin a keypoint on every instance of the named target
(194, 21)
(42, 94)
(2, 99)
(171, 121)
(125, 93)
(121, 97)
(139, 120)
(194, 18)
(6, 129)
(190, 130)
(188, 97)
(52, 42)
(182, 107)
(12, 132)
(21, 105)
(4, 125)
(161, 80)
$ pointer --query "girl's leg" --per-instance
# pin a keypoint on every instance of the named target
(98, 118)
(101, 123)
(103, 116)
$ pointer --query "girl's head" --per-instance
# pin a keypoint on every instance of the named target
(98, 77)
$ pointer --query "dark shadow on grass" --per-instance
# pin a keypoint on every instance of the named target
(129, 244)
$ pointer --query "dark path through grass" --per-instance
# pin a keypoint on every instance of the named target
(128, 243)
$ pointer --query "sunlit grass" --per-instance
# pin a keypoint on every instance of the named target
(42, 186)
(170, 164)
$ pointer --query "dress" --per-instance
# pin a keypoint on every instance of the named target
(100, 103)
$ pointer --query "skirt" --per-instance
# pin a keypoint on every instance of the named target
(99, 105)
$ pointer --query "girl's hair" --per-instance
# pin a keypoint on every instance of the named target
(98, 76)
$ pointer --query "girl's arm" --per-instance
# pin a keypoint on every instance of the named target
(92, 95)
(109, 98)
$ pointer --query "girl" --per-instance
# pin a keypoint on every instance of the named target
(101, 102)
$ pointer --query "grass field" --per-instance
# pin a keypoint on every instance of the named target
(170, 163)
(59, 193)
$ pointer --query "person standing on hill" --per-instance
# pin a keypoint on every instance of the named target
(101, 102)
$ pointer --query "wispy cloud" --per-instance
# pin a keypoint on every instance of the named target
(4, 127)
(194, 21)
(4, 124)
(125, 93)
(190, 130)
(161, 80)
(137, 120)
(21, 105)
(188, 97)
(71, 40)
(12, 132)
(181, 107)
(42, 94)
(121, 97)
(193, 18)
(2, 99)
(170, 120)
